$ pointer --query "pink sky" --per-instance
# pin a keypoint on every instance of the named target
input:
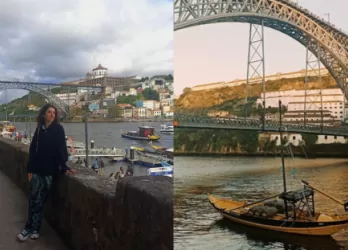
(218, 52)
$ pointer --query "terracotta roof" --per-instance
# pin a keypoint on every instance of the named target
(124, 105)
(99, 67)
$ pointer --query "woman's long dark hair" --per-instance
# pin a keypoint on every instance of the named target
(41, 116)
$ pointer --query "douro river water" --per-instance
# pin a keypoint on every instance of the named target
(198, 226)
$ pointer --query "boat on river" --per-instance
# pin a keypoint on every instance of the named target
(7, 128)
(146, 133)
(165, 170)
(167, 129)
(288, 212)
(157, 148)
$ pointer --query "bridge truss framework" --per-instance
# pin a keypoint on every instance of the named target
(324, 43)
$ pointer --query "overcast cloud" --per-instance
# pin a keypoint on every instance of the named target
(61, 40)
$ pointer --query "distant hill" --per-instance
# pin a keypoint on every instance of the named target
(20, 105)
(232, 98)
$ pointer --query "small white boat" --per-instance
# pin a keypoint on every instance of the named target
(165, 170)
(167, 128)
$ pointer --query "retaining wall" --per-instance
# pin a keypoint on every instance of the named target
(94, 212)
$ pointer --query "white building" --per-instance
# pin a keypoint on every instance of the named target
(315, 117)
(332, 99)
(257, 80)
(296, 139)
(157, 113)
(132, 91)
(151, 104)
(70, 98)
(98, 72)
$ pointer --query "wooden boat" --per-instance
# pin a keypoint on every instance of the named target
(292, 212)
(146, 133)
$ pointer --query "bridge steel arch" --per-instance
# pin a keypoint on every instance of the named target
(322, 39)
(38, 89)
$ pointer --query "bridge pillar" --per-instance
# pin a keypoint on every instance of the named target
(313, 100)
(256, 63)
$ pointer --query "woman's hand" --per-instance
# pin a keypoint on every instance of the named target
(71, 171)
(30, 176)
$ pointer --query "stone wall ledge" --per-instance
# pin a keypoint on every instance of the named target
(94, 212)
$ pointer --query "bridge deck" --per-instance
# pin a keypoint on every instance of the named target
(13, 214)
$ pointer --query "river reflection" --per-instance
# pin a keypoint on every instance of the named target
(198, 226)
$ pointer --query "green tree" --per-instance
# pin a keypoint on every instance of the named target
(169, 77)
(144, 79)
(114, 111)
(131, 99)
(150, 94)
(76, 111)
(248, 140)
(309, 139)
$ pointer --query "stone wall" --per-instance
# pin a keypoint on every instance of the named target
(94, 212)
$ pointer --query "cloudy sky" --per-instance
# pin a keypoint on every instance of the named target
(60, 40)
(218, 52)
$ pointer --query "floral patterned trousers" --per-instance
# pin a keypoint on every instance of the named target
(40, 187)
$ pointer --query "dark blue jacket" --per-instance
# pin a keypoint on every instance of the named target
(48, 152)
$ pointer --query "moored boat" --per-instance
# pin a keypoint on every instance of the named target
(167, 128)
(165, 170)
(299, 217)
(157, 148)
(288, 212)
(146, 133)
(7, 127)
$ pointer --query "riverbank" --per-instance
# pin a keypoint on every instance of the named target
(302, 164)
(335, 150)
(343, 155)
(117, 120)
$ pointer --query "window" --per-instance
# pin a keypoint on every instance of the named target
(335, 137)
(294, 137)
(325, 137)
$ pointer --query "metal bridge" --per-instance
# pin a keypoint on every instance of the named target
(324, 42)
(43, 89)
(205, 122)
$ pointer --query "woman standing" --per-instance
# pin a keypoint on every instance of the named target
(48, 155)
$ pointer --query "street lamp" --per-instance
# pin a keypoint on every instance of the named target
(328, 16)
(86, 122)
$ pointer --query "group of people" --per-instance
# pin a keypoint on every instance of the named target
(98, 164)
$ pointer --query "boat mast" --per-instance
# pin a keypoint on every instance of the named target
(282, 156)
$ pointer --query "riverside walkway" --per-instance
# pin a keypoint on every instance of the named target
(13, 214)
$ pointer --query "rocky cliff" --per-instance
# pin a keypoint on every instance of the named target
(214, 97)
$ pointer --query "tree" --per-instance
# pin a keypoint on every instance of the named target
(248, 140)
(76, 111)
(115, 111)
(169, 77)
(127, 99)
(309, 139)
(150, 94)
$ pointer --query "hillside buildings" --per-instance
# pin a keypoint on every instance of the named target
(297, 103)
(258, 80)
(114, 89)
(99, 77)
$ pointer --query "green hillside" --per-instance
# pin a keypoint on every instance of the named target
(20, 105)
